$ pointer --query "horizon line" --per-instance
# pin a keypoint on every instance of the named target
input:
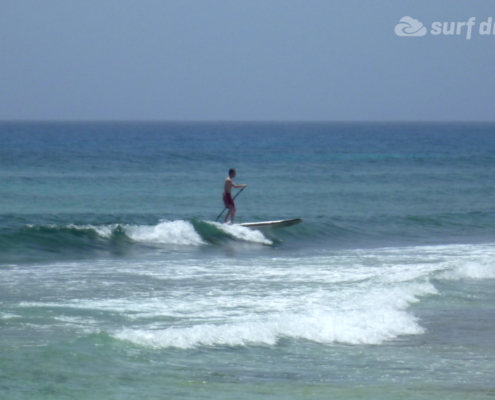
(226, 121)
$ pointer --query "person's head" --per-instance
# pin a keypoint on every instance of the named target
(232, 172)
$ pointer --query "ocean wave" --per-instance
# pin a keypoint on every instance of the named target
(166, 232)
(352, 327)
(241, 233)
(55, 238)
(326, 231)
(352, 296)
(365, 317)
(469, 262)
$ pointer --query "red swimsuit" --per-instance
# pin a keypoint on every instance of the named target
(228, 200)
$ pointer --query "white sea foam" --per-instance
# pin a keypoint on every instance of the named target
(347, 327)
(242, 233)
(473, 263)
(349, 296)
(362, 317)
(169, 232)
(9, 316)
(129, 308)
(483, 269)
(102, 230)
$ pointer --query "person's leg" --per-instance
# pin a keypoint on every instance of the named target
(227, 216)
(231, 214)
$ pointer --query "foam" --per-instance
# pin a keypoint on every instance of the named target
(365, 317)
(105, 231)
(471, 269)
(352, 297)
(242, 233)
(101, 230)
(349, 327)
(9, 316)
(167, 232)
(177, 232)
(458, 262)
(131, 309)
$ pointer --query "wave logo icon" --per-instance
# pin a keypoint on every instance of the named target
(410, 27)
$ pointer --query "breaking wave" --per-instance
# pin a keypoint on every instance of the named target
(54, 238)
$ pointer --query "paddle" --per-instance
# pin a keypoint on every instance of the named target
(238, 193)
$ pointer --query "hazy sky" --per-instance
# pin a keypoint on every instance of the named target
(245, 60)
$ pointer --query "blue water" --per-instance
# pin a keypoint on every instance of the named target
(116, 281)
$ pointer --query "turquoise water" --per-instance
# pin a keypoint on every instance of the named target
(116, 281)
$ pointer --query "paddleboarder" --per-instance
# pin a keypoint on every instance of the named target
(227, 195)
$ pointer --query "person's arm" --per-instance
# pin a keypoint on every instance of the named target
(238, 186)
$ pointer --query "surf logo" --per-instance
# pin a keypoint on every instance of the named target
(410, 27)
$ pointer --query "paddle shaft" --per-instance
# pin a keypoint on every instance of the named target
(238, 193)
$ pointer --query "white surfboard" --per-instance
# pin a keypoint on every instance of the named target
(273, 224)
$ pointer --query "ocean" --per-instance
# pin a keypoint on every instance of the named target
(116, 281)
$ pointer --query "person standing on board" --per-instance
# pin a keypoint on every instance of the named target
(227, 195)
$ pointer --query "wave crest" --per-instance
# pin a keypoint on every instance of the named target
(167, 232)
(79, 238)
(338, 327)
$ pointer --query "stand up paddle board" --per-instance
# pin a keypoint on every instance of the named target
(272, 224)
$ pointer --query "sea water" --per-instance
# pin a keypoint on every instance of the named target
(118, 282)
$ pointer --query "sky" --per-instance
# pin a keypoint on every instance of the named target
(247, 60)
